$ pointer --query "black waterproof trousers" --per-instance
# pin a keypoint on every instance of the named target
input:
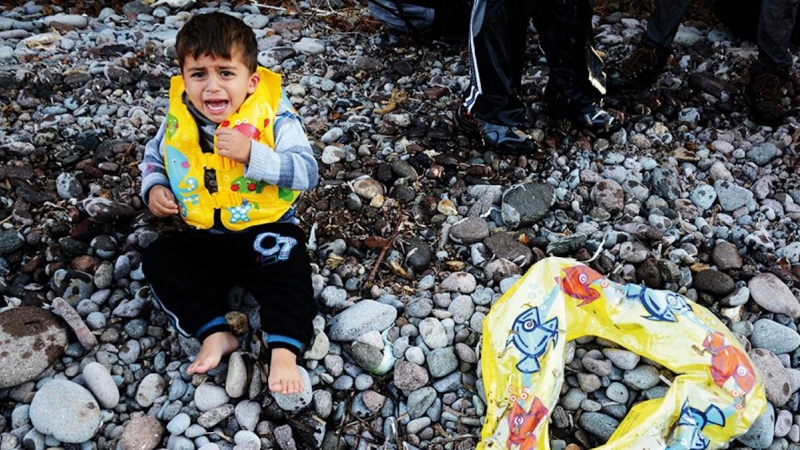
(497, 44)
(192, 272)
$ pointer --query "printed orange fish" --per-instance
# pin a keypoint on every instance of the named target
(728, 361)
(576, 283)
(521, 425)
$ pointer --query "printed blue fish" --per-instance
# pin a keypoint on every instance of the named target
(532, 338)
(691, 422)
(661, 307)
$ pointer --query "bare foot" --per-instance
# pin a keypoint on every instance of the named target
(284, 376)
(215, 346)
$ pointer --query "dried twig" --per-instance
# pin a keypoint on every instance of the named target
(384, 248)
(398, 97)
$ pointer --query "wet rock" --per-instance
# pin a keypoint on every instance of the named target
(726, 256)
(608, 195)
(469, 230)
(526, 204)
(666, 183)
(107, 211)
(418, 253)
(31, 339)
(503, 245)
(10, 241)
(714, 282)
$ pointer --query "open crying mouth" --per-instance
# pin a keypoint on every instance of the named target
(216, 105)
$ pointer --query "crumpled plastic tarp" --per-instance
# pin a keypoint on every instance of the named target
(716, 395)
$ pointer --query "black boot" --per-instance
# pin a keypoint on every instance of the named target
(640, 69)
(764, 92)
(503, 138)
(591, 117)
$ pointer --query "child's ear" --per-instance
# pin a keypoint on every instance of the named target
(253, 84)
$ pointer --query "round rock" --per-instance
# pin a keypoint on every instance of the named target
(100, 383)
(31, 339)
(714, 282)
(62, 399)
(364, 316)
(208, 396)
(295, 402)
(773, 295)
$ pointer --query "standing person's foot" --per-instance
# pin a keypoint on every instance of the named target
(591, 117)
(215, 346)
(764, 92)
(640, 69)
(504, 138)
(284, 376)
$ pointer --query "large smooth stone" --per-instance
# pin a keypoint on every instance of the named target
(31, 339)
(65, 410)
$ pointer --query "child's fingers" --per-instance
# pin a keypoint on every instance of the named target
(164, 203)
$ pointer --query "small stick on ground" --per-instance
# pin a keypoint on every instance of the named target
(384, 248)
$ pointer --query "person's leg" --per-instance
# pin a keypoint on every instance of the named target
(663, 23)
(775, 24)
(497, 43)
(643, 66)
(492, 108)
(565, 34)
(577, 83)
(280, 280)
(184, 274)
(771, 71)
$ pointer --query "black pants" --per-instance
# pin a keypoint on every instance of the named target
(192, 272)
(497, 44)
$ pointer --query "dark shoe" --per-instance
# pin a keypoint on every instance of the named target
(763, 94)
(502, 137)
(640, 69)
(590, 117)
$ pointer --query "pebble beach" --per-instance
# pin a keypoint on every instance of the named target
(415, 232)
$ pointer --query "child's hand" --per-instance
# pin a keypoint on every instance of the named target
(162, 202)
(233, 144)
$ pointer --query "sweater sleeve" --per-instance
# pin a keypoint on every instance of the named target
(154, 172)
(292, 164)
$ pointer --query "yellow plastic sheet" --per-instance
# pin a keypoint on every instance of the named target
(715, 397)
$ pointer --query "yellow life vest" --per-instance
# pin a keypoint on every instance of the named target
(242, 202)
(716, 395)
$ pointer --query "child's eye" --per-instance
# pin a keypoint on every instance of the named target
(226, 73)
(198, 75)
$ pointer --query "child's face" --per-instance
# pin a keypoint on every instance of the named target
(216, 86)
